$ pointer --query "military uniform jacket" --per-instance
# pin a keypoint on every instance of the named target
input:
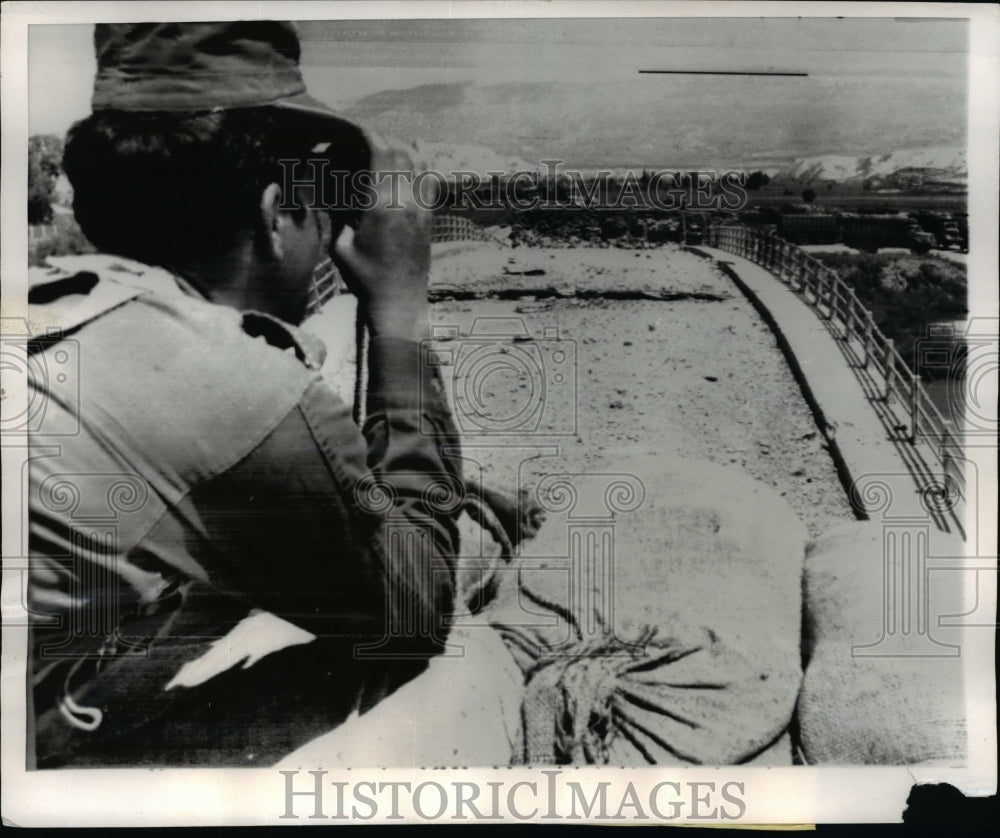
(188, 467)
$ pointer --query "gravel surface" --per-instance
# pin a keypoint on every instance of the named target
(686, 369)
(487, 270)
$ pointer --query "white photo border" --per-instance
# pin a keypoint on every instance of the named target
(185, 797)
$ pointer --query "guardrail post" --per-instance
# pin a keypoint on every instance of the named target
(868, 339)
(890, 366)
(914, 407)
(945, 457)
(849, 316)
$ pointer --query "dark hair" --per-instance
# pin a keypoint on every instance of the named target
(176, 186)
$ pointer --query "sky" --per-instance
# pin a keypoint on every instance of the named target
(571, 90)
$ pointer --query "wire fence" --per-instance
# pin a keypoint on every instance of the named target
(832, 299)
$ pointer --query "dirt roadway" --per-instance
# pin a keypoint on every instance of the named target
(678, 364)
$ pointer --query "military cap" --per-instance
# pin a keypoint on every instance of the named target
(203, 66)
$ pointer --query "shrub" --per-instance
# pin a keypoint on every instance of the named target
(905, 295)
(44, 155)
(68, 240)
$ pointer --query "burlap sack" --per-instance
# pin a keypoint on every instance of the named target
(462, 711)
(687, 652)
(881, 686)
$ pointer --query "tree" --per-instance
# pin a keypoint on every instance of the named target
(757, 180)
(808, 195)
(44, 161)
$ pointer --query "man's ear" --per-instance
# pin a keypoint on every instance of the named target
(270, 218)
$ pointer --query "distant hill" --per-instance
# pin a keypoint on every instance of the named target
(902, 168)
(449, 158)
(596, 116)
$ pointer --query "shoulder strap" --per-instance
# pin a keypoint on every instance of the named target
(61, 301)
(78, 290)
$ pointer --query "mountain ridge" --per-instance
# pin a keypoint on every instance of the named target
(940, 163)
(902, 167)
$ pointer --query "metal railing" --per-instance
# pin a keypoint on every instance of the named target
(327, 282)
(41, 232)
(454, 228)
(833, 300)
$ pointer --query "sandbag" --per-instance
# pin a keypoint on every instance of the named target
(666, 632)
(877, 691)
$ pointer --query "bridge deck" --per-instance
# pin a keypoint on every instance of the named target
(671, 360)
(889, 475)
